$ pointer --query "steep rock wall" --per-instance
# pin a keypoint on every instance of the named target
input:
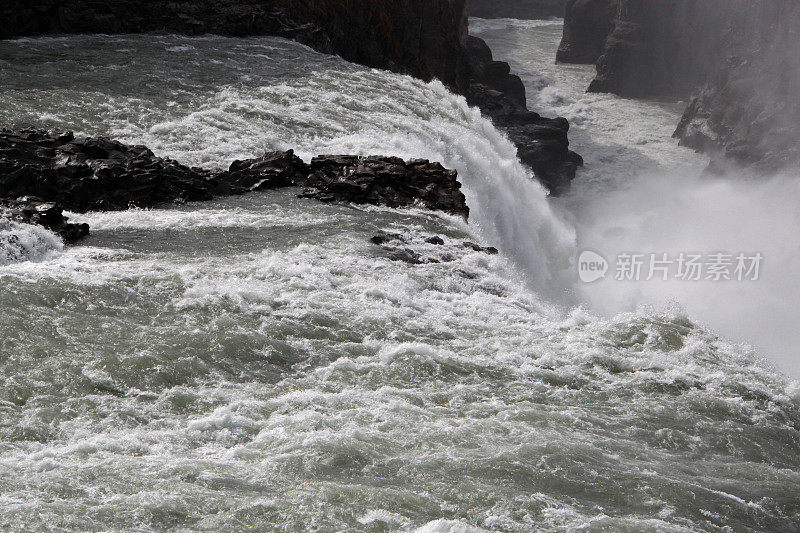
(424, 38)
(587, 24)
(737, 60)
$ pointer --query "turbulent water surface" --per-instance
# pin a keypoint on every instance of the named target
(256, 362)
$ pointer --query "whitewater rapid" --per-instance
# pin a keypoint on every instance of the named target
(255, 362)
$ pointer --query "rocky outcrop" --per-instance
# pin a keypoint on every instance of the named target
(516, 9)
(43, 173)
(93, 174)
(32, 210)
(736, 59)
(587, 24)
(388, 181)
(749, 108)
(424, 38)
(542, 143)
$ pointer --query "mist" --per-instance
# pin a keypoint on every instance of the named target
(673, 214)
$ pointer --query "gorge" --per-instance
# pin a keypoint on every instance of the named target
(324, 268)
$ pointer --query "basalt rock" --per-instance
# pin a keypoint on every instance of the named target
(31, 210)
(542, 143)
(272, 170)
(749, 108)
(737, 59)
(517, 9)
(587, 24)
(93, 174)
(388, 181)
(44, 172)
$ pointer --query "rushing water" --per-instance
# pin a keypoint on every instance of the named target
(256, 362)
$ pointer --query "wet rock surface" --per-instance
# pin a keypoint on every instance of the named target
(587, 24)
(93, 174)
(388, 181)
(45, 172)
(398, 247)
(32, 210)
(542, 143)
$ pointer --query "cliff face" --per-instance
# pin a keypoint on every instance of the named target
(587, 24)
(517, 9)
(424, 38)
(749, 109)
(665, 47)
(739, 58)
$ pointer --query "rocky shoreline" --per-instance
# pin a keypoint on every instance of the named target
(43, 173)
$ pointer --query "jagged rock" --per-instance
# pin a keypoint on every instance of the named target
(587, 24)
(56, 171)
(435, 240)
(388, 181)
(749, 108)
(382, 238)
(517, 9)
(491, 250)
(406, 255)
(273, 170)
(93, 174)
(541, 143)
(31, 210)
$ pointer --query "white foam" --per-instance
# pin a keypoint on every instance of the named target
(25, 242)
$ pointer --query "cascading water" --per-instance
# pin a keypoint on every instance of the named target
(641, 192)
(23, 242)
(256, 362)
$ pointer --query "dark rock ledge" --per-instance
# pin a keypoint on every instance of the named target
(43, 173)
(542, 143)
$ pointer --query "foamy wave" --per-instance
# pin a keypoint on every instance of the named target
(25, 242)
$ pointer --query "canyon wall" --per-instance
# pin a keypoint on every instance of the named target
(517, 9)
(736, 60)
(424, 38)
(587, 24)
